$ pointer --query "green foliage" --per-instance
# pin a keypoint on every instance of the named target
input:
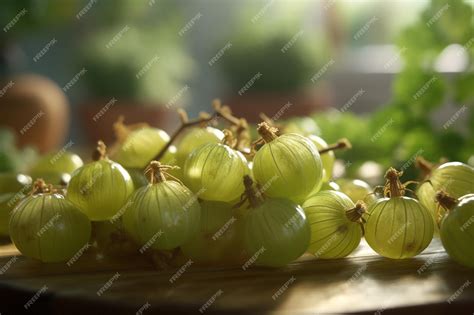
(287, 57)
(404, 128)
(133, 52)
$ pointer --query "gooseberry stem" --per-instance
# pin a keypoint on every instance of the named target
(242, 134)
(253, 194)
(40, 187)
(157, 172)
(424, 165)
(445, 200)
(229, 139)
(154, 172)
(267, 132)
(393, 187)
(100, 151)
(356, 213)
(341, 144)
(219, 111)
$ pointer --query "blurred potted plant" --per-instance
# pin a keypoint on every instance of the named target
(133, 70)
(30, 103)
(271, 67)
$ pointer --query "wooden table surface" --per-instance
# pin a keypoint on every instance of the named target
(363, 283)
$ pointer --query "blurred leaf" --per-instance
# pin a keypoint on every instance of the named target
(464, 85)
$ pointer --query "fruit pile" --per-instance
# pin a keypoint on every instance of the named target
(230, 197)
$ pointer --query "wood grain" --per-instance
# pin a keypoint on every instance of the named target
(362, 283)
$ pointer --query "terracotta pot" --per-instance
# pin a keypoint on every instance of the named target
(36, 109)
(98, 117)
(279, 104)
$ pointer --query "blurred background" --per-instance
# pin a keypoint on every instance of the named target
(395, 77)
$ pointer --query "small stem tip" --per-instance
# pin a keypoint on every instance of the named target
(356, 213)
(229, 139)
(445, 200)
(253, 195)
(40, 187)
(157, 172)
(393, 187)
(424, 165)
(267, 132)
(100, 151)
(341, 144)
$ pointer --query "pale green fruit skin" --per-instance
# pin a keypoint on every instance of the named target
(162, 216)
(140, 147)
(220, 238)
(330, 186)
(194, 139)
(276, 232)
(291, 163)
(457, 232)
(327, 158)
(455, 178)
(67, 162)
(6, 206)
(398, 227)
(100, 189)
(138, 177)
(49, 228)
(333, 235)
(357, 189)
(215, 171)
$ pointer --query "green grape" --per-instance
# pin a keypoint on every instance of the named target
(397, 226)
(11, 182)
(111, 239)
(289, 165)
(162, 215)
(276, 231)
(100, 188)
(335, 222)
(327, 158)
(214, 171)
(455, 178)
(7, 203)
(357, 189)
(138, 147)
(47, 227)
(457, 227)
(219, 241)
(194, 139)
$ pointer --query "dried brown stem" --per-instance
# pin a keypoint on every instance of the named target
(219, 111)
(445, 200)
(252, 194)
(393, 187)
(267, 132)
(158, 172)
(341, 144)
(356, 213)
(100, 151)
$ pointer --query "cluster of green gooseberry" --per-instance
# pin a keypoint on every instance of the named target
(218, 198)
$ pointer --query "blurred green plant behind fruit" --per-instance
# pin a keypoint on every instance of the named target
(403, 129)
